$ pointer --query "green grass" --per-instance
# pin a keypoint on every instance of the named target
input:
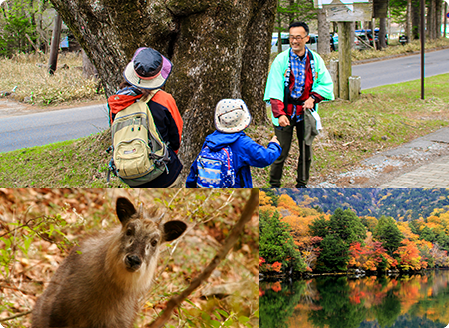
(74, 163)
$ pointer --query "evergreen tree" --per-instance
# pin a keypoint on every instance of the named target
(428, 234)
(276, 242)
(347, 226)
(334, 255)
(389, 234)
(319, 227)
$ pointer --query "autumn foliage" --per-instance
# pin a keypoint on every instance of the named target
(368, 243)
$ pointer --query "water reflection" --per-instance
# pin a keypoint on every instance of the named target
(375, 302)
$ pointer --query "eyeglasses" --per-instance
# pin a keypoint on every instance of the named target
(297, 37)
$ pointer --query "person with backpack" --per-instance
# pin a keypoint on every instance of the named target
(228, 153)
(146, 125)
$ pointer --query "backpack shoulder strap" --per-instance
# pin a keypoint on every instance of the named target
(151, 95)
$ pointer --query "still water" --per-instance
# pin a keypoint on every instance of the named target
(417, 301)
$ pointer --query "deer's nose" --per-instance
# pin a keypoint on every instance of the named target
(133, 262)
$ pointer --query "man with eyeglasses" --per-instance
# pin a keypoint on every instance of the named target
(297, 81)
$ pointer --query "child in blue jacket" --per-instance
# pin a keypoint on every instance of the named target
(231, 118)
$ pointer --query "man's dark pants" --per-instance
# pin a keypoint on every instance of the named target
(284, 135)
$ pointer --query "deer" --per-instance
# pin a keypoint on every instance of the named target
(100, 283)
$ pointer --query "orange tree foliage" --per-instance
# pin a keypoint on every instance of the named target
(263, 199)
(409, 256)
(286, 202)
(372, 256)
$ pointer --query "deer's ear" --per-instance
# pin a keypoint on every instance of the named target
(125, 209)
(173, 229)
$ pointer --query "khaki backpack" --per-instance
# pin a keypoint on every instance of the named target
(139, 153)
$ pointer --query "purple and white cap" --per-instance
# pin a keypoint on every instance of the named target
(148, 69)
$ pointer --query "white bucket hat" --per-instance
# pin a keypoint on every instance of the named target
(232, 115)
(148, 69)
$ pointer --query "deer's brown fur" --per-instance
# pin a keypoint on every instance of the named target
(99, 284)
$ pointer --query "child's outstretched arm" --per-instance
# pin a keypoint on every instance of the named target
(259, 156)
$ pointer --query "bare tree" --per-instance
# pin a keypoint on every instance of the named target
(220, 49)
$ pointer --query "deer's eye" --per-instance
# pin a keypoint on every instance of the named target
(154, 242)
(129, 232)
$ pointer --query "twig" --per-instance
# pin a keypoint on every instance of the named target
(237, 230)
(18, 289)
(15, 316)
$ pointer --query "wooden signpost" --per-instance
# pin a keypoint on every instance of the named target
(344, 12)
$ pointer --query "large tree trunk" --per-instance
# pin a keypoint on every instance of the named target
(323, 32)
(291, 14)
(416, 19)
(220, 49)
(430, 33)
(408, 22)
(438, 18)
(382, 33)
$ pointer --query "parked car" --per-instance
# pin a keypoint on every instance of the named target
(311, 44)
(361, 41)
(403, 39)
(284, 41)
(369, 35)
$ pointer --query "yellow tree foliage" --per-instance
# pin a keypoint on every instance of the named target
(263, 198)
(372, 222)
(286, 202)
(406, 231)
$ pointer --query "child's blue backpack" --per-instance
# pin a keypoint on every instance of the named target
(215, 168)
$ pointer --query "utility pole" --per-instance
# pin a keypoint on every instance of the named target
(54, 47)
(422, 37)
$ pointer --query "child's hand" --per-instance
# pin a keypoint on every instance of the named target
(275, 140)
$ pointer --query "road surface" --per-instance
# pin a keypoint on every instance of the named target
(43, 128)
(401, 69)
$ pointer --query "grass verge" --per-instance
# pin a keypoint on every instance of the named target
(27, 75)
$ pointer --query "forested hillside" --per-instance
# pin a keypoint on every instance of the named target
(401, 204)
(299, 236)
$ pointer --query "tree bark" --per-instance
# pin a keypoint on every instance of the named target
(382, 33)
(219, 49)
(54, 48)
(408, 24)
(416, 21)
(438, 18)
(445, 20)
(89, 69)
(323, 32)
(430, 20)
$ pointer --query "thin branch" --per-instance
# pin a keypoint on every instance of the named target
(236, 231)
(18, 289)
(15, 316)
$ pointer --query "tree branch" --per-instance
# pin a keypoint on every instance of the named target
(15, 316)
(236, 231)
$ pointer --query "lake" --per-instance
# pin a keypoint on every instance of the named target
(415, 301)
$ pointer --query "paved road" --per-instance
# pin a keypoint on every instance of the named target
(401, 69)
(38, 129)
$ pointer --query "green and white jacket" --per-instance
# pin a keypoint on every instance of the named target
(322, 81)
